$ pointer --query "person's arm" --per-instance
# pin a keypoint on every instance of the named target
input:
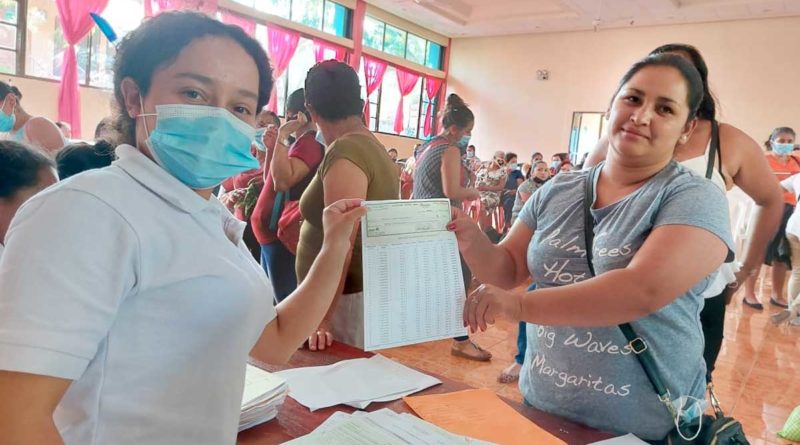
(288, 171)
(43, 133)
(597, 155)
(503, 265)
(524, 196)
(451, 177)
(672, 259)
(499, 187)
(757, 180)
(27, 403)
(302, 311)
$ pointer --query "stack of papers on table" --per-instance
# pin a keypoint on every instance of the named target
(356, 383)
(263, 394)
(384, 427)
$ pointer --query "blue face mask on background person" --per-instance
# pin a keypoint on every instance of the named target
(463, 143)
(6, 120)
(782, 149)
(200, 146)
(554, 164)
(259, 140)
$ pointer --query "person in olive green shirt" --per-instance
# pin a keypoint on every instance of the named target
(356, 165)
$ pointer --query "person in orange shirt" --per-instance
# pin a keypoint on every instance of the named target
(784, 164)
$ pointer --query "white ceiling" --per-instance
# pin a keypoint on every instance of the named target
(473, 18)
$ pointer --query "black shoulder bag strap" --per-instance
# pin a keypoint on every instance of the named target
(713, 150)
(636, 343)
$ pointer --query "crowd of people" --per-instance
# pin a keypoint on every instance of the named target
(198, 230)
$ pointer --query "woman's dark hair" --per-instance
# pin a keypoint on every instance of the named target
(80, 156)
(6, 88)
(19, 167)
(456, 113)
(333, 92)
(694, 83)
(510, 155)
(296, 102)
(157, 42)
(775, 133)
(275, 119)
(536, 153)
(708, 106)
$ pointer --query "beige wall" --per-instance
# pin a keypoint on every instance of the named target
(40, 98)
(754, 72)
(404, 146)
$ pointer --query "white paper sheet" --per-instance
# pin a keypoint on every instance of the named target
(413, 283)
(628, 439)
(356, 382)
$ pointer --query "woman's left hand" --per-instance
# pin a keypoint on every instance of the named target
(340, 219)
(487, 304)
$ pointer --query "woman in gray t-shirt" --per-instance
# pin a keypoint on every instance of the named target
(660, 232)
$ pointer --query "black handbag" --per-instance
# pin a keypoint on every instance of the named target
(716, 429)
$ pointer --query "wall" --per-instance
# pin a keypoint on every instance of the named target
(40, 98)
(754, 71)
(404, 145)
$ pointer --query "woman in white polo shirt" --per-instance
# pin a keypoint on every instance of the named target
(129, 302)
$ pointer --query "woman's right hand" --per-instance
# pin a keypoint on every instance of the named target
(229, 199)
(466, 230)
(270, 137)
(321, 338)
(340, 219)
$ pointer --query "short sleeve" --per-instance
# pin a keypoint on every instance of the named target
(308, 150)
(697, 203)
(347, 148)
(70, 260)
(530, 210)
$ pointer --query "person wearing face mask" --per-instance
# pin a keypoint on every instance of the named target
(514, 179)
(241, 192)
(491, 181)
(536, 157)
(440, 174)
(131, 320)
(20, 126)
(471, 160)
(276, 217)
(781, 142)
(618, 244)
(556, 161)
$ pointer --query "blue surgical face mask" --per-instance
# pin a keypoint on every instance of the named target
(782, 149)
(470, 154)
(6, 120)
(554, 164)
(259, 140)
(200, 146)
(688, 413)
(463, 143)
(319, 137)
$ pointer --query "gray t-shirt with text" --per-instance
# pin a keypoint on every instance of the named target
(589, 375)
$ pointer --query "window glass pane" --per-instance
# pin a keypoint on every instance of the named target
(307, 12)
(280, 85)
(45, 43)
(373, 33)
(8, 62)
(8, 11)
(274, 7)
(8, 36)
(302, 61)
(415, 50)
(434, 57)
(373, 100)
(335, 19)
(389, 100)
(395, 42)
(124, 16)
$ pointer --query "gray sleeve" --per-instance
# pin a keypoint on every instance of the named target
(531, 208)
(697, 203)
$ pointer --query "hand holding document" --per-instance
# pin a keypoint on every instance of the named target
(481, 414)
(263, 394)
(356, 382)
(413, 283)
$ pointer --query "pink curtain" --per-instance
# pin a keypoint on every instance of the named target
(374, 70)
(406, 80)
(432, 86)
(248, 25)
(206, 6)
(281, 47)
(326, 51)
(75, 23)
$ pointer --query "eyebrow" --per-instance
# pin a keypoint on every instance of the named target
(208, 81)
(660, 98)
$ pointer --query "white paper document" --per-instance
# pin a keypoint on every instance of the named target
(263, 394)
(356, 382)
(413, 283)
(628, 439)
(383, 427)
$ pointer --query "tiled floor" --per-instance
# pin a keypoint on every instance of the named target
(757, 377)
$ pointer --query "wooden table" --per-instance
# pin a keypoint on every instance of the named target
(295, 420)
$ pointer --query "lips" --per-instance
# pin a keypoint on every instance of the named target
(631, 132)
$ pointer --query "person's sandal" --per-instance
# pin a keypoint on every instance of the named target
(775, 302)
(469, 350)
(510, 374)
(779, 317)
(757, 306)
